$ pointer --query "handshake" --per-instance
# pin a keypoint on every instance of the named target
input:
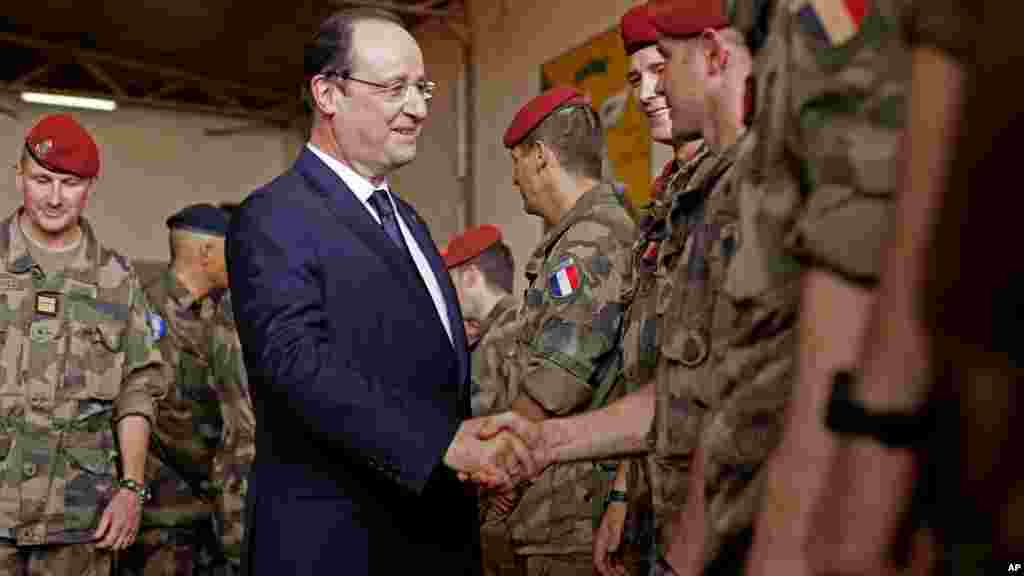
(497, 452)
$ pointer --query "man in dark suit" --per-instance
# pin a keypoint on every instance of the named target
(352, 336)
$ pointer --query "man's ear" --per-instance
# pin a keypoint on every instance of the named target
(715, 51)
(545, 155)
(473, 275)
(322, 93)
(205, 253)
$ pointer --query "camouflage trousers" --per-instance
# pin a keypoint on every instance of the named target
(160, 552)
(566, 565)
(499, 558)
(730, 561)
(732, 557)
(54, 560)
(661, 568)
(556, 565)
(174, 552)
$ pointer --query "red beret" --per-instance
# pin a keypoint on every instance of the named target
(60, 144)
(638, 32)
(538, 109)
(470, 244)
(685, 18)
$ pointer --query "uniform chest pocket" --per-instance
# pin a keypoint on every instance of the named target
(95, 359)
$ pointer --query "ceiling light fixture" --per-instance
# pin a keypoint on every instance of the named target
(69, 101)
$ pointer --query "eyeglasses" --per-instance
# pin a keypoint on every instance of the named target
(395, 92)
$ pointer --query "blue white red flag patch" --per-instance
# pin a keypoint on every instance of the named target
(834, 22)
(565, 280)
(157, 326)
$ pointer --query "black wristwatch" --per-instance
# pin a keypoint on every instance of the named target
(141, 490)
(615, 496)
(845, 416)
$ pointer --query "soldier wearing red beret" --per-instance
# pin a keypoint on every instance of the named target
(707, 67)
(83, 369)
(704, 81)
(579, 287)
(483, 273)
(480, 249)
(640, 39)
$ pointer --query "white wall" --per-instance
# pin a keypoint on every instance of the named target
(152, 163)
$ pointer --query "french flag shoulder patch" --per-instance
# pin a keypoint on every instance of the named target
(834, 22)
(565, 280)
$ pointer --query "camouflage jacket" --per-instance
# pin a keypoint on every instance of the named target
(639, 341)
(203, 441)
(77, 356)
(639, 349)
(493, 362)
(815, 190)
(700, 240)
(580, 283)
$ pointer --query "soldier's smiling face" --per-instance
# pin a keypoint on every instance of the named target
(683, 84)
(53, 201)
(645, 68)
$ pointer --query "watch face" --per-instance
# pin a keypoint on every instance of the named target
(141, 490)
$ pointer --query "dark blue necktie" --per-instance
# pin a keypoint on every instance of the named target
(382, 204)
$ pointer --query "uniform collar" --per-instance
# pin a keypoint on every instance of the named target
(180, 296)
(688, 167)
(84, 267)
(602, 193)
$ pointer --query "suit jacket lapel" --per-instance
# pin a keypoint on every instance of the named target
(342, 202)
(422, 235)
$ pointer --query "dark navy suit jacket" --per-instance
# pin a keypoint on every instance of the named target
(357, 389)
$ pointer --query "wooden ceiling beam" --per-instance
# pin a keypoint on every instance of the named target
(129, 63)
(393, 6)
(167, 89)
(98, 73)
(33, 74)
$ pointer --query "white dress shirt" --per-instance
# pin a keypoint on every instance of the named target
(363, 189)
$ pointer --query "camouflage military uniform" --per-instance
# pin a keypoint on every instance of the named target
(639, 349)
(202, 442)
(237, 451)
(580, 283)
(493, 360)
(77, 356)
(495, 381)
(815, 190)
(696, 238)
